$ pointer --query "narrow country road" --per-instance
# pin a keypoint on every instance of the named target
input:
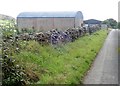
(105, 66)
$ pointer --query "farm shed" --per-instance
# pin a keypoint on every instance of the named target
(44, 21)
(92, 21)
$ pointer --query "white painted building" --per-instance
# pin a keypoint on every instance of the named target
(44, 21)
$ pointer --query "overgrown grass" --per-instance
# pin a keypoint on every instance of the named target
(62, 64)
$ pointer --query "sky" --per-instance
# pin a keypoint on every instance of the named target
(91, 9)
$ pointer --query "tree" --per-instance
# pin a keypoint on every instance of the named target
(110, 22)
(118, 25)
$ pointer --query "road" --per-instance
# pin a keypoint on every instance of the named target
(105, 67)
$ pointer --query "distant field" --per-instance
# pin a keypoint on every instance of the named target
(61, 64)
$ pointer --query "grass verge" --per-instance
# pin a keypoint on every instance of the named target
(61, 64)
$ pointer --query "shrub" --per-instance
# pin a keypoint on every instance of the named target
(13, 74)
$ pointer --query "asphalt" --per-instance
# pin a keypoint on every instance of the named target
(105, 67)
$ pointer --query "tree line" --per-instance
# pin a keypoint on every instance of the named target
(112, 23)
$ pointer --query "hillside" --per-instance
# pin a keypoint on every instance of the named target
(6, 17)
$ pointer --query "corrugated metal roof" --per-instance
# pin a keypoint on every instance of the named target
(48, 14)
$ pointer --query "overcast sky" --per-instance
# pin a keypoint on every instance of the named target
(91, 9)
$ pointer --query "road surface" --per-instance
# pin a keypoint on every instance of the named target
(105, 67)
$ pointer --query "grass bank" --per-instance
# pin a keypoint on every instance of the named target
(62, 64)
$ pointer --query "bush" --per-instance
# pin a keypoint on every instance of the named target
(13, 74)
(118, 26)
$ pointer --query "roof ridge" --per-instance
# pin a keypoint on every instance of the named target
(49, 14)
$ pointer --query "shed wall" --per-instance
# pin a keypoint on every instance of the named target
(63, 23)
(45, 24)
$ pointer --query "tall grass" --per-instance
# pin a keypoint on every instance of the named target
(62, 64)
